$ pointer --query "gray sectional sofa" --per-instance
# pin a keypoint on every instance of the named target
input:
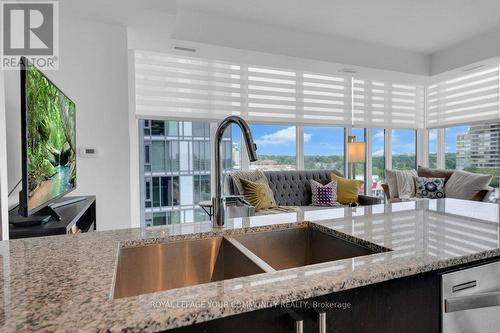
(292, 188)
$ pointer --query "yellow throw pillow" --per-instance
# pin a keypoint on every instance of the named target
(347, 189)
(258, 194)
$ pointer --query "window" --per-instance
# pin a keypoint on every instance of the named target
(404, 149)
(378, 161)
(175, 159)
(276, 147)
(433, 148)
(476, 149)
(324, 148)
(457, 148)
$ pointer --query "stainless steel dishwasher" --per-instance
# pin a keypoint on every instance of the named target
(471, 299)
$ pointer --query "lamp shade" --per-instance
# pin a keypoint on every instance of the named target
(356, 152)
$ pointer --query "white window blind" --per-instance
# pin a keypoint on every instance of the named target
(387, 105)
(464, 100)
(272, 94)
(181, 87)
(326, 99)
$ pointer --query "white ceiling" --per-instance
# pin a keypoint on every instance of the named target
(423, 26)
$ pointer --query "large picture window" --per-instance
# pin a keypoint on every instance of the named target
(276, 147)
(476, 149)
(324, 148)
(432, 148)
(175, 164)
(378, 161)
(404, 149)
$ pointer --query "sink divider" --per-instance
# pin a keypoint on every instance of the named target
(250, 255)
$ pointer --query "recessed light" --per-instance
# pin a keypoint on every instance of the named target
(182, 48)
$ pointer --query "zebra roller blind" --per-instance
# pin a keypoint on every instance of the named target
(387, 105)
(466, 99)
(181, 87)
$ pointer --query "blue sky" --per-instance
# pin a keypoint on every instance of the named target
(451, 137)
(280, 140)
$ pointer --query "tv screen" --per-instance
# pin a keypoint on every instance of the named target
(49, 141)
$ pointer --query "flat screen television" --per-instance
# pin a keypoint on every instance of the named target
(48, 129)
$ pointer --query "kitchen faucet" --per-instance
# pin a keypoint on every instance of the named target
(217, 201)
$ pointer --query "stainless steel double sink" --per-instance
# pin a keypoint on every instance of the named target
(176, 264)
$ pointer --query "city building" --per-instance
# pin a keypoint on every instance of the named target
(479, 147)
(175, 162)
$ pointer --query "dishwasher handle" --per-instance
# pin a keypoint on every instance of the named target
(474, 301)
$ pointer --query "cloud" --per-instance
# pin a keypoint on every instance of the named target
(379, 135)
(433, 135)
(379, 152)
(281, 137)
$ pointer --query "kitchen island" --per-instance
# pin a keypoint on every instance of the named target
(66, 283)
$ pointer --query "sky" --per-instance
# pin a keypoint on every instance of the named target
(280, 140)
(451, 137)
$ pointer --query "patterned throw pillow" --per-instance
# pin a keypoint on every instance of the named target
(324, 195)
(430, 188)
(258, 194)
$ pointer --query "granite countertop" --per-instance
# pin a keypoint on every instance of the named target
(65, 283)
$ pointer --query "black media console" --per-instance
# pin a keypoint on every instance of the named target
(76, 217)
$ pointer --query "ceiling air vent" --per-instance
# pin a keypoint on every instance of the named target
(186, 49)
(348, 70)
(473, 68)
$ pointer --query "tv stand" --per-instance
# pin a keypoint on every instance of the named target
(42, 216)
(66, 201)
(67, 215)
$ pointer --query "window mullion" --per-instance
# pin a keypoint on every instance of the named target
(440, 149)
(369, 162)
(388, 148)
(299, 147)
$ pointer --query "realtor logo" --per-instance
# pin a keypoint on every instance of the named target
(30, 29)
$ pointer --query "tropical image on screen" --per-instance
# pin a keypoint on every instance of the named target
(51, 140)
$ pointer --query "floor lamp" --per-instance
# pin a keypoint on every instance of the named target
(356, 153)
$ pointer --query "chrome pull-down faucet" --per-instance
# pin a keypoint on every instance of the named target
(217, 200)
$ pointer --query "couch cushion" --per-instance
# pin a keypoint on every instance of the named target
(313, 208)
(324, 195)
(347, 189)
(292, 188)
(434, 173)
(258, 194)
(430, 188)
(465, 185)
(401, 183)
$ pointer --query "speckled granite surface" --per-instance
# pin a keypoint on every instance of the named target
(64, 283)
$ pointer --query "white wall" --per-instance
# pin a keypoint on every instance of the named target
(93, 72)
(467, 52)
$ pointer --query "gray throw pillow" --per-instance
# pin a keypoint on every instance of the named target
(464, 185)
(430, 188)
